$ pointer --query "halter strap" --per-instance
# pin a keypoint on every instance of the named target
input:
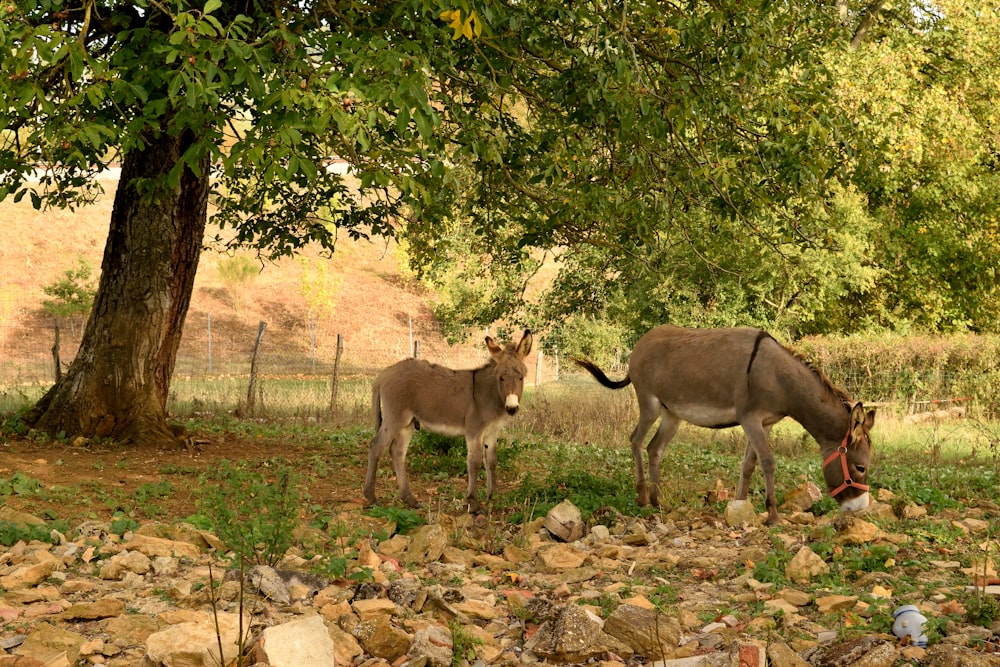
(841, 452)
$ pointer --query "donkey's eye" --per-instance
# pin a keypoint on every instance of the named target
(861, 469)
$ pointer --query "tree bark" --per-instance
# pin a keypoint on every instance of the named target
(117, 385)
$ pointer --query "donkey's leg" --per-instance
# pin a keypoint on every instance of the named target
(757, 440)
(473, 464)
(746, 471)
(383, 437)
(669, 423)
(649, 407)
(490, 447)
(398, 451)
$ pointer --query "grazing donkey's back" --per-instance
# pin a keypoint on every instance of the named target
(474, 403)
(719, 378)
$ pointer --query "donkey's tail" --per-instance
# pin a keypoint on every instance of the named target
(377, 405)
(599, 375)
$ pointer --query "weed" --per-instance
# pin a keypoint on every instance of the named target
(11, 533)
(405, 519)
(463, 644)
(252, 514)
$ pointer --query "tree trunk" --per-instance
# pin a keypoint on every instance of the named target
(118, 383)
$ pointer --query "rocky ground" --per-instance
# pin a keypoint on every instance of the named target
(558, 592)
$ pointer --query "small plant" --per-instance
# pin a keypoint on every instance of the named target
(405, 519)
(72, 294)
(234, 271)
(252, 514)
(11, 533)
(463, 644)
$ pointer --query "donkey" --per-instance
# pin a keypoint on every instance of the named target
(718, 378)
(414, 394)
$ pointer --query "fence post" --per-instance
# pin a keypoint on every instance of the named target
(312, 342)
(336, 374)
(210, 343)
(55, 352)
(538, 368)
(416, 349)
(252, 388)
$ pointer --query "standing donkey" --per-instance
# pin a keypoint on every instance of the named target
(718, 378)
(475, 403)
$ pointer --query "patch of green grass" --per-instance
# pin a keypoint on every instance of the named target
(405, 519)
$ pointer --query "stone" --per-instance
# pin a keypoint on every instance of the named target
(345, 647)
(646, 631)
(124, 562)
(831, 603)
(195, 643)
(433, 645)
(381, 639)
(869, 651)
(805, 565)
(28, 576)
(50, 645)
(304, 641)
(574, 635)
(561, 557)
(782, 654)
(852, 530)
(802, 498)
(158, 546)
(565, 522)
(93, 611)
(741, 513)
(427, 544)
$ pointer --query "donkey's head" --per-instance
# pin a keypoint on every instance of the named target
(510, 369)
(846, 468)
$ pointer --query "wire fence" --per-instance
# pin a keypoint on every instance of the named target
(308, 369)
(268, 369)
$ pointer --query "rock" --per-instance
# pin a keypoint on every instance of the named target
(158, 546)
(92, 611)
(862, 652)
(124, 562)
(369, 609)
(914, 511)
(52, 645)
(782, 654)
(297, 643)
(805, 565)
(565, 522)
(427, 544)
(195, 643)
(646, 631)
(831, 603)
(433, 645)
(28, 576)
(561, 557)
(381, 639)
(574, 635)
(949, 655)
(741, 513)
(802, 498)
(852, 530)
(345, 647)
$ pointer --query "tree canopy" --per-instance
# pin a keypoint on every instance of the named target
(793, 165)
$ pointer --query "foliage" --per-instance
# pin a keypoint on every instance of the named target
(253, 508)
(463, 644)
(12, 532)
(72, 294)
(319, 288)
(404, 519)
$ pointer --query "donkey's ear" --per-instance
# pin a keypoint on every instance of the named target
(492, 346)
(861, 421)
(524, 347)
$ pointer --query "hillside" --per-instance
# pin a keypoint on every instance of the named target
(366, 299)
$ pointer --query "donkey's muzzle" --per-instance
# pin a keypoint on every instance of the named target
(512, 404)
(511, 410)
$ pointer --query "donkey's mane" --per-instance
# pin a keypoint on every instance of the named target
(827, 384)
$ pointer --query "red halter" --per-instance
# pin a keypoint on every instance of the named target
(841, 451)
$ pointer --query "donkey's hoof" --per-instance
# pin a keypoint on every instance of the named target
(412, 503)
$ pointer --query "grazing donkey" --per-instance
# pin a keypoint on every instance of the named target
(475, 403)
(719, 378)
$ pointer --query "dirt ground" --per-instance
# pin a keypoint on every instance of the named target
(96, 481)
